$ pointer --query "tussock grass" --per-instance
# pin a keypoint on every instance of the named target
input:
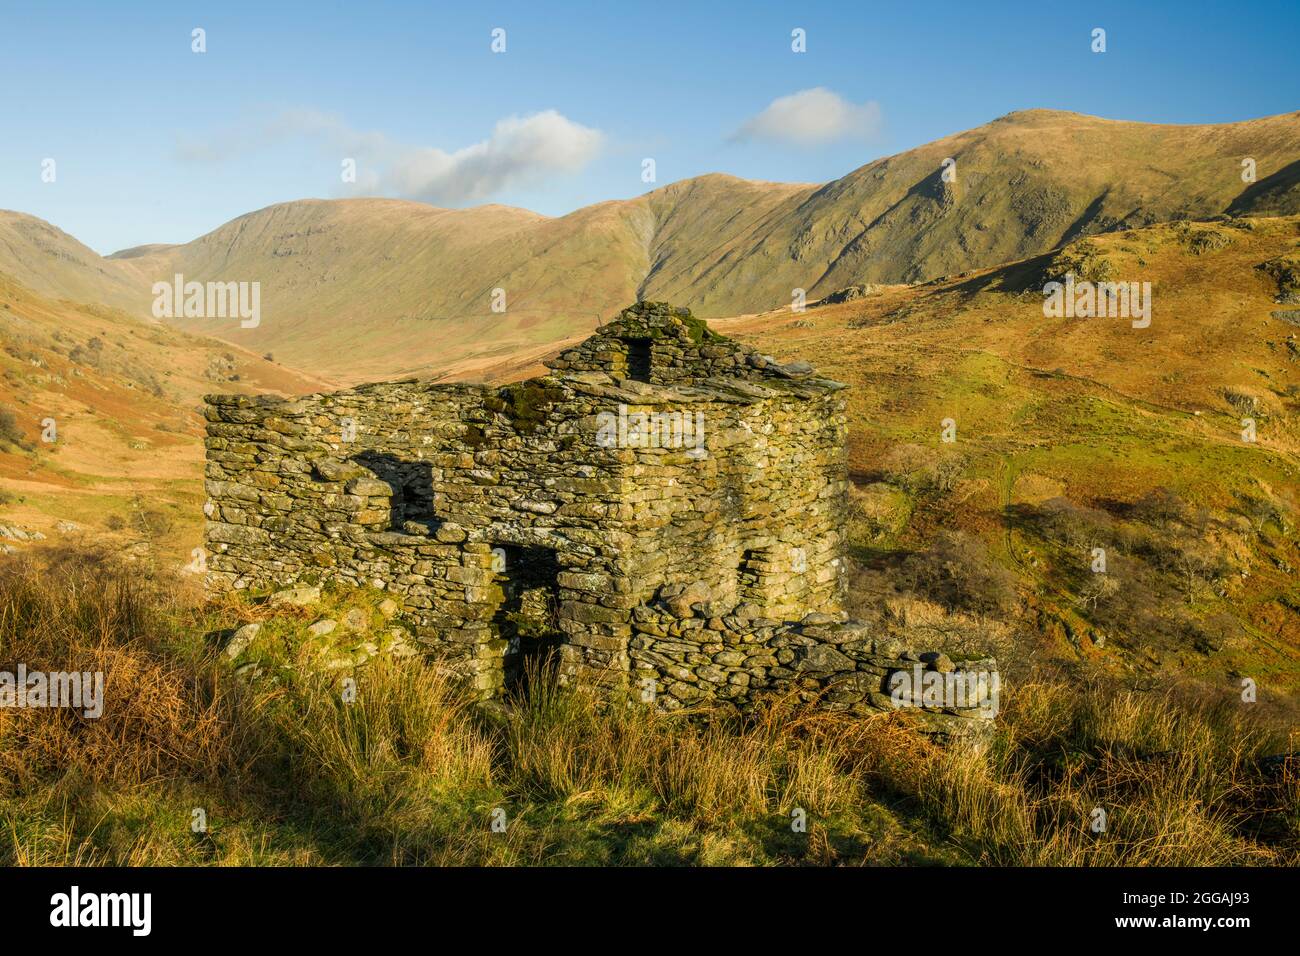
(86, 614)
(1179, 783)
(291, 771)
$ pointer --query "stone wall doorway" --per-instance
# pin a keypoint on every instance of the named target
(527, 618)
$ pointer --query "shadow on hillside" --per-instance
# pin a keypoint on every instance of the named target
(1265, 196)
(1016, 279)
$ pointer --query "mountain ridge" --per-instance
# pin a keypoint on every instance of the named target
(357, 289)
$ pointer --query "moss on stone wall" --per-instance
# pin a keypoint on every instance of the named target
(526, 404)
(699, 330)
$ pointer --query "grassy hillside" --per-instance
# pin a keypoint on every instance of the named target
(1074, 434)
(1122, 690)
(49, 261)
(1022, 185)
(358, 290)
(125, 397)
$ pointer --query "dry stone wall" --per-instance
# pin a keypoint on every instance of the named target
(687, 652)
(665, 507)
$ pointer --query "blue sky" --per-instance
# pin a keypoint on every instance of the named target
(155, 143)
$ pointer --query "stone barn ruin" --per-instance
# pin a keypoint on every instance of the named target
(662, 511)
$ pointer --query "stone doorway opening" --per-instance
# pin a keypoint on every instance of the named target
(528, 617)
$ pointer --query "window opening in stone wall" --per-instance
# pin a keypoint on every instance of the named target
(416, 494)
(638, 359)
(411, 504)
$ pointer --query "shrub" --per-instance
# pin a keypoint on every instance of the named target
(959, 572)
(81, 355)
(1208, 240)
(1097, 587)
(1195, 563)
(876, 511)
(916, 469)
(1161, 507)
(1264, 509)
(1242, 401)
(153, 523)
(1074, 525)
(10, 432)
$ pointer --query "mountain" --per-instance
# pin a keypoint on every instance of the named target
(50, 262)
(364, 289)
(135, 252)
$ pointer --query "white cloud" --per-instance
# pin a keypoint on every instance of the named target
(810, 117)
(520, 151)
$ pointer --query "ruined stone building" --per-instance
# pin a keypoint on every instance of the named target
(663, 510)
